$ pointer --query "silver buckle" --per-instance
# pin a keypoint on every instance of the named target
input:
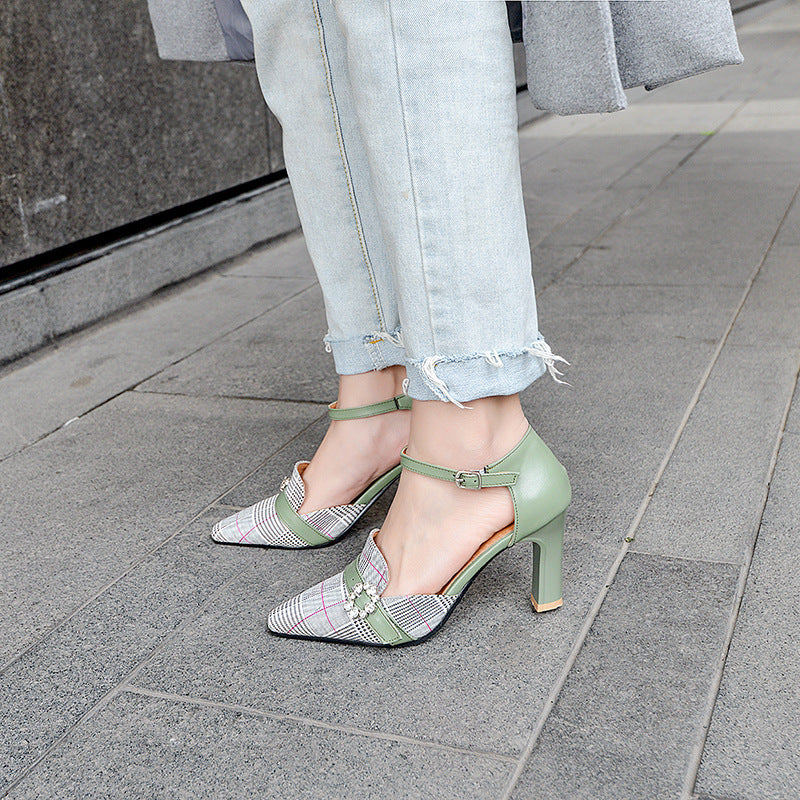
(466, 474)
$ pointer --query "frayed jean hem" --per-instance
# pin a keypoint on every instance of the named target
(459, 379)
(366, 353)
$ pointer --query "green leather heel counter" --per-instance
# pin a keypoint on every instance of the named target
(542, 491)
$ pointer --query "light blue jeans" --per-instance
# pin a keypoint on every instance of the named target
(400, 140)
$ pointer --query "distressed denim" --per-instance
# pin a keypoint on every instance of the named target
(400, 142)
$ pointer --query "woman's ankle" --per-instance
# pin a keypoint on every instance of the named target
(370, 387)
(468, 438)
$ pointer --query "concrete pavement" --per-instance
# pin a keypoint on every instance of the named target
(133, 657)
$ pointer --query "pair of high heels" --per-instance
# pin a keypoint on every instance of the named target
(349, 607)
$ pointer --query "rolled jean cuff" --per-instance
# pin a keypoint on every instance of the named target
(366, 353)
(459, 379)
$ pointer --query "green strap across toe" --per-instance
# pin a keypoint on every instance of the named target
(276, 521)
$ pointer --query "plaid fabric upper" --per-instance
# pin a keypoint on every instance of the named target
(259, 524)
(319, 612)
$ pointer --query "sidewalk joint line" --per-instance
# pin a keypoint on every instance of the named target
(696, 755)
(594, 610)
(192, 396)
(120, 686)
(146, 556)
(315, 723)
(721, 562)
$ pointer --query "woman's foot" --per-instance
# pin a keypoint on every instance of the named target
(401, 591)
(433, 526)
(355, 452)
(357, 461)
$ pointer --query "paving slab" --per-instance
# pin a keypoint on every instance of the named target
(45, 691)
(690, 231)
(738, 146)
(95, 497)
(280, 355)
(576, 169)
(153, 748)
(769, 317)
(709, 500)
(627, 718)
(88, 369)
(751, 749)
(265, 480)
(553, 222)
(476, 684)
(549, 261)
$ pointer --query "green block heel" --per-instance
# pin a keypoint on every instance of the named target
(546, 569)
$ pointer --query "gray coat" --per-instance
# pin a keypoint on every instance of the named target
(581, 54)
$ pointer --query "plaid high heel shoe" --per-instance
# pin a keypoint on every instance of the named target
(276, 522)
(348, 608)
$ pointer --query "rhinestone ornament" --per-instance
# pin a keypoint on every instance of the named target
(350, 607)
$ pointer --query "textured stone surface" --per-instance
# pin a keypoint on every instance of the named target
(24, 322)
(690, 232)
(149, 747)
(98, 120)
(283, 258)
(272, 357)
(133, 272)
(751, 749)
(88, 369)
(708, 503)
(46, 690)
(622, 725)
(92, 367)
(100, 493)
(770, 313)
(568, 214)
(265, 480)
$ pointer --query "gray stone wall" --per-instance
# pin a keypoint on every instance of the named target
(96, 131)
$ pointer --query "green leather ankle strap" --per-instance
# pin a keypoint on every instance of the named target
(401, 402)
(463, 478)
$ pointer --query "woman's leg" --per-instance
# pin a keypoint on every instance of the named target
(301, 69)
(435, 96)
